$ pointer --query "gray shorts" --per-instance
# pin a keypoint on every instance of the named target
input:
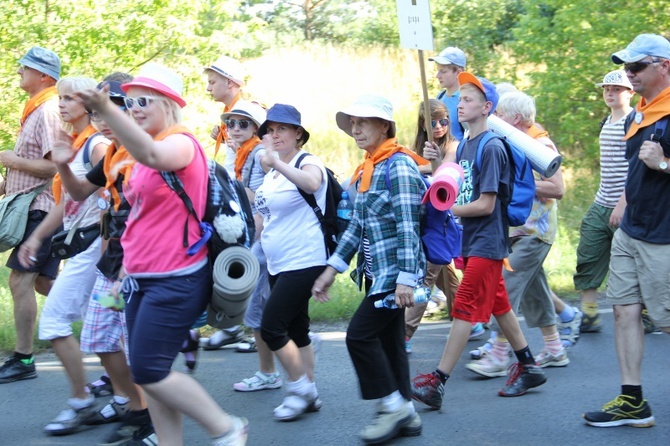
(640, 273)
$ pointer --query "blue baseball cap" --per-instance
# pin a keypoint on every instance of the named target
(284, 114)
(484, 85)
(642, 46)
(450, 56)
(42, 60)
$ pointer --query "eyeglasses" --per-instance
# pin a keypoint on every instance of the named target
(242, 124)
(142, 101)
(443, 123)
(636, 67)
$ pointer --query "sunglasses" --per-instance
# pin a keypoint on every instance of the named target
(636, 67)
(242, 124)
(142, 101)
(443, 123)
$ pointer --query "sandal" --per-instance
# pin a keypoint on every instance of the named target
(247, 346)
(294, 406)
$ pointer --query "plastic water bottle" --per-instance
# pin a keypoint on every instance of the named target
(345, 211)
(421, 296)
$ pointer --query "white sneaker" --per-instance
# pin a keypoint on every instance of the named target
(260, 381)
(488, 366)
(546, 359)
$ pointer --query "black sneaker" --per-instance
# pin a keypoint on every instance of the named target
(136, 424)
(15, 370)
(429, 390)
(521, 378)
(621, 411)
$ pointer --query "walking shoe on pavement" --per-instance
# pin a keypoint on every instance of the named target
(294, 406)
(16, 369)
(429, 390)
(480, 352)
(569, 331)
(408, 346)
(413, 428)
(649, 326)
(590, 324)
(110, 413)
(621, 411)
(223, 337)
(70, 418)
(387, 425)
(260, 381)
(521, 378)
(546, 359)
(488, 366)
(476, 331)
(237, 435)
(144, 436)
(247, 346)
(135, 424)
(101, 387)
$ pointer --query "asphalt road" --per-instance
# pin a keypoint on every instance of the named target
(472, 413)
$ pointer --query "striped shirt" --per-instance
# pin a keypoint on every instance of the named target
(613, 163)
(35, 141)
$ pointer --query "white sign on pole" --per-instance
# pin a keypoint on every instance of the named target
(416, 30)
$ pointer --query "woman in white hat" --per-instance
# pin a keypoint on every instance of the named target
(166, 290)
(384, 232)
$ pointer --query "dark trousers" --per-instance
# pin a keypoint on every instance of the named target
(376, 344)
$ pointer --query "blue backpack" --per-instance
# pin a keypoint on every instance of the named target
(522, 186)
(441, 236)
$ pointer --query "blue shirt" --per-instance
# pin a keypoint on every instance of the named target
(452, 105)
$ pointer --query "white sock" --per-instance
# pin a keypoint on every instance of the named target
(393, 402)
(301, 387)
(78, 403)
(121, 399)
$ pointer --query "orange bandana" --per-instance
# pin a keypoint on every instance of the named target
(37, 100)
(243, 153)
(650, 112)
(384, 151)
(223, 130)
(79, 141)
(117, 161)
(535, 132)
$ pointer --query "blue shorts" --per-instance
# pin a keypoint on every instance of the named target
(159, 314)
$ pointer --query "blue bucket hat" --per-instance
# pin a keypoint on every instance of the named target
(284, 114)
(42, 60)
(642, 46)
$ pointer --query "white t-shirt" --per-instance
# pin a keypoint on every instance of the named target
(88, 208)
(292, 238)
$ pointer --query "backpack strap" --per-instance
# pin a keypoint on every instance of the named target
(309, 198)
(660, 127)
(86, 155)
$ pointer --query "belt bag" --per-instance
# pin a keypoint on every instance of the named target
(14, 217)
(69, 243)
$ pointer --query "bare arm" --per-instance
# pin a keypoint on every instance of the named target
(617, 213)
(41, 168)
(551, 187)
(481, 207)
(78, 188)
(308, 178)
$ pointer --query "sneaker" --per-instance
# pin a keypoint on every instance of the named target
(546, 359)
(101, 387)
(488, 366)
(110, 413)
(260, 381)
(69, 420)
(482, 351)
(387, 425)
(223, 337)
(476, 331)
(413, 428)
(237, 435)
(135, 424)
(621, 411)
(569, 331)
(521, 378)
(408, 346)
(16, 370)
(144, 436)
(649, 326)
(590, 324)
(429, 390)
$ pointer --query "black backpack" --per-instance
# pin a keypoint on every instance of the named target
(328, 219)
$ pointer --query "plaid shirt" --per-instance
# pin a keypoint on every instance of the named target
(34, 142)
(390, 221)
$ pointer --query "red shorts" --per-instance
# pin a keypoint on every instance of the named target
(482, 291)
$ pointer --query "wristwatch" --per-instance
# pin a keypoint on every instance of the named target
(663, 165)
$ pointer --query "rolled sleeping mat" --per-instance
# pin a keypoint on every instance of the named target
(543, 159)
(235, 274)
(444, 187)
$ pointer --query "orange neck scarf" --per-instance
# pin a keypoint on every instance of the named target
(79, 141)
(243, 153)
(535, 132)
(651, 112)
(37, 100)
(381, 153)
(223, 130)
(117, 161)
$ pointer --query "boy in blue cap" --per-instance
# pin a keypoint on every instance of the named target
(485, 246)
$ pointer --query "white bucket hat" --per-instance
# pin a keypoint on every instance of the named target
(616, 77)
(229, 68)
(367, 106)
(248, 109)
(161, 79)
